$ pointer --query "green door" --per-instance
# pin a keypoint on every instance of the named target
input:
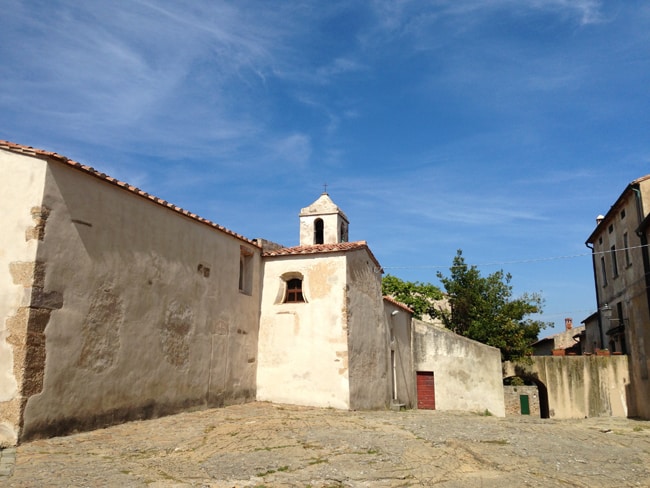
(525, 406)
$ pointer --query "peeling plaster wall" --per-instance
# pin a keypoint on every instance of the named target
(584, 386)
(467, 374)
(303, 353)
(145, 313)
(368, 335)
(23, 221)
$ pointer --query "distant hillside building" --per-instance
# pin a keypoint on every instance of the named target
(567, 341)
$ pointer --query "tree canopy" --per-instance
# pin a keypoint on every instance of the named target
(483, 309)
(420, 297)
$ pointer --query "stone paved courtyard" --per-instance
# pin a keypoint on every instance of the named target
(265, 445)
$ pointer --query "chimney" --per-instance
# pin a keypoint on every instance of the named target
(599, 219)
(568, 323)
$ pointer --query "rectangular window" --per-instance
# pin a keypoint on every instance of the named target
(294, 291)
(626, 245)
(603, 270)
(614, 262)
(245, 270)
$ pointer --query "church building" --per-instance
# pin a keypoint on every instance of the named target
(323, 337)
(117, 305)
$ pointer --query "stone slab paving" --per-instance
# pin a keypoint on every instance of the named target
(7, 461)
(265, 445)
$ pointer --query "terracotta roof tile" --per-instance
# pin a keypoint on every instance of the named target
(401, 305)
(52, 156)
(323, 248)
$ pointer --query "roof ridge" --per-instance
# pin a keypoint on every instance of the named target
(31, 151)
(323, 248)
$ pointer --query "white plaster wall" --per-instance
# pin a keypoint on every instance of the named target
(22, 189)
(467, 374)
(144, 330)
(369, 350)
(303, 350)
(331, 229)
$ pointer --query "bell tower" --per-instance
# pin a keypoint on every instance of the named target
(323, 223)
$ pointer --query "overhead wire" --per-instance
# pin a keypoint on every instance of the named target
(524, 261)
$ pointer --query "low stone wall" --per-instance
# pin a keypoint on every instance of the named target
(512, 395)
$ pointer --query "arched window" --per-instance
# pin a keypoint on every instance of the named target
(294, 291)
(318, 231)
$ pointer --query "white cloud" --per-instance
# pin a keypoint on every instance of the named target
(158, 69)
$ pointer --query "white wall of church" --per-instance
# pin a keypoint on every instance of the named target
(303, 347)
(22, 192)
(331, 229)
(145, 315)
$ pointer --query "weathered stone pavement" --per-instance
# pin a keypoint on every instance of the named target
(264, 445)
(7, 461)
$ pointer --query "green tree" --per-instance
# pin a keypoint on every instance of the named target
(483, 309)
(419, 297)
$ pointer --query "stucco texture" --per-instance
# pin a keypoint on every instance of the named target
(303, 354)
(579, 386)
(145, 313)
(370, 370)
(468, 374)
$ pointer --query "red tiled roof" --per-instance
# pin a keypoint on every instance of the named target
(401, 305)
(40, 153)
(323, 248)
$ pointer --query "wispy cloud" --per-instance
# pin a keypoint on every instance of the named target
(116, 73)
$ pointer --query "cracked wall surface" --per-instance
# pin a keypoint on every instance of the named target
(113, 307)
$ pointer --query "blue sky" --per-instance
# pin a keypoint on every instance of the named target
(499, 127)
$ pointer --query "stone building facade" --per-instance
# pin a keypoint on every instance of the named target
(621, 262)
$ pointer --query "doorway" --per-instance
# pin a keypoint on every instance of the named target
(426, 390)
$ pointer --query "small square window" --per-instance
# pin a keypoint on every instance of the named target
(622, 214)
(294, 291)
(610, 229)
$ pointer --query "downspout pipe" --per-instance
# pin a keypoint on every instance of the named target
(600, 318)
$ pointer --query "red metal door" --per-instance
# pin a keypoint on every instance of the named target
(426, 390)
